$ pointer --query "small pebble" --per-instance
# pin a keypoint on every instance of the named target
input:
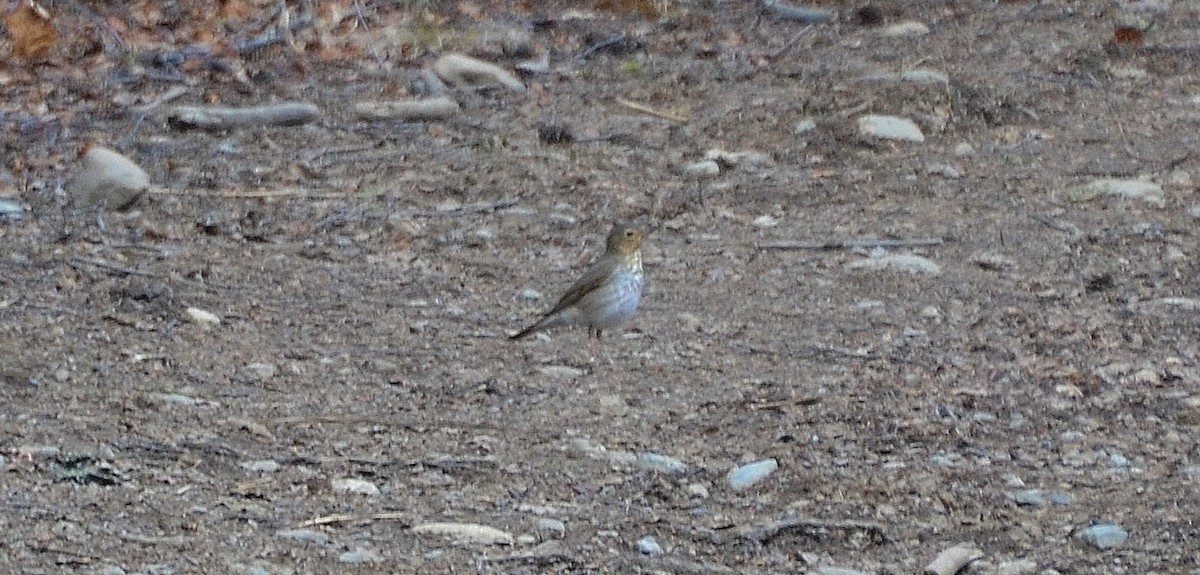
(1103, 535)
(356, 486)
(10, 210)
(663, 463)
(890, 128)
(359, 556)
(1041, 497)
(909, 28)
(562, 371)
(202, 317)
(648, 545)
(898, 262)
(831, 570)
(260, 371)
(1018, 567)
(765, 221)
(740, 478)
(1148, 192)
(702, 169)
(108, 180)
(261, 466)
(552, 526)
(250, 570)
(304, 536)
(172, 398)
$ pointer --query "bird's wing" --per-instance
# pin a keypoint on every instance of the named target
(594, 278)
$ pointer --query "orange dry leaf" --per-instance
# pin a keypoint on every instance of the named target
(30, 30)
(1128, 35)
(233, 9)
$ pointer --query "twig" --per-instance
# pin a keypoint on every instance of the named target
(348, 518)
(1065, 227)
(357, 418)
(76, 262)
(790, 12)
(651, 111)
(480, 208)
(765, 532)
(253, 193)
(584, 55)
(849, 244)
(436, 108)
(218, 118)
(788, 45)
(177, 541)
(163, 98)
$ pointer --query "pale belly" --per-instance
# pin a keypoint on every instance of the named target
(614, 304)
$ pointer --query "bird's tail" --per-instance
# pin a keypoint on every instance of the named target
(551, 320)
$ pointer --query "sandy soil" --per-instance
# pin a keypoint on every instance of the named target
(366, 275)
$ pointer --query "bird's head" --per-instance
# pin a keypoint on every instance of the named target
(625, 239)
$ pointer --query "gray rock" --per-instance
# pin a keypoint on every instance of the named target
(658, 462)
(1148, 192)
(552, 526)
(261, 466)
(10, 210)
(1017, 567)
(356, 486)
(107, 180)
(702, 169)
(890, 128)
(648, 545)
(304, 536)
(1041, 497)
(831, 570)
(359, 556)
(1103, 536)
(740, 478)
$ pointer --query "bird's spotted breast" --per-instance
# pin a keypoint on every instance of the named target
(616, 302)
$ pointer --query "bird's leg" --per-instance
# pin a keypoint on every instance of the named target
(603, 349)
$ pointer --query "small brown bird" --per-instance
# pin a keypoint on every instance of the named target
(608, 294)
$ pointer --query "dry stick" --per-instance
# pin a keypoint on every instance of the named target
(348, 518)
(163, 98)
(600, 46)
(952, 560)
(785, 10)
(764, 532)
(254, 194)
(357, 418)
(76, 262)
(849, 244)
(225, 118)
(177, 541)
(480, 208)
(651, 111)
(436, 108)
(788, 45)
(82, 556)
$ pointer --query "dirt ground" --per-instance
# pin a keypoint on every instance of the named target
(366, 275)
